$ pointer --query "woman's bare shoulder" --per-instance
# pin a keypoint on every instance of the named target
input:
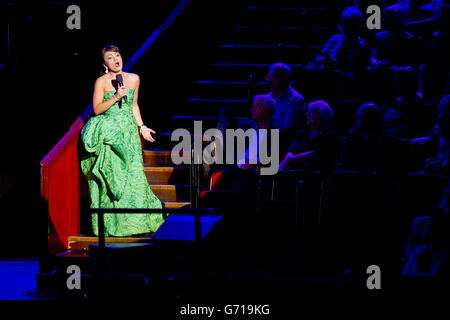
(101, 80)
(132, 76)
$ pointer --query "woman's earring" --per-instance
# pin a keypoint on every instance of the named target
(106, 69)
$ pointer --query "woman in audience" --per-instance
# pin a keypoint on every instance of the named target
(314, 148)
(363, 148)
(435, 146)
(427, 252)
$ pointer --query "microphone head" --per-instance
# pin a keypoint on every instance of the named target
(119, 79)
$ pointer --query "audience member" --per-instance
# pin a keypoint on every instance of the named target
(427, 251)
(262, 111)
(346, 51)
(367, 147)
(407, 117)
(434, 80)
(290, 111)
(436, 143)
(394, 47)
(314, 148)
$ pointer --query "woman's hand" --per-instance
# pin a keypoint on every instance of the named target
(147, 134)
(285, 164)
(121, 92)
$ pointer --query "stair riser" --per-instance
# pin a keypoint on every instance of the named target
(212, 108)
(225, 90)
(158, 160)
(242, 72)
(297, 3)
(173, 176)
(289, 16)
(311, 36)
(289, 55)
(172, 193)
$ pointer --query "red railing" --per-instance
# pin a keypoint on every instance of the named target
(60, 188)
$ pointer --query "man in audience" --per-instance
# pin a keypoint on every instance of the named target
(290, 111)
(394, 47)
(407, 116)
(262, 111)
(345, 51)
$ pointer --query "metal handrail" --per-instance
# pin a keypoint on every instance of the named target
(195, 176)
(101, 257)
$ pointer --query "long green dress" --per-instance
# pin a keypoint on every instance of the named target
(113, 165)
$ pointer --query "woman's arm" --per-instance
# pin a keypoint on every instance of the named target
(284, 165)
(303, 157)
(146, 132)
(97, 101)
(136, 111)
(292, 159)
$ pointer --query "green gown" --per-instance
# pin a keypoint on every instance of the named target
(113, 166)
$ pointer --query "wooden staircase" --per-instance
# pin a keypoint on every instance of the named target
(169, 182)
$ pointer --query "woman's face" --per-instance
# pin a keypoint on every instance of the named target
(259, 111)
(312, 118)
(113, 61)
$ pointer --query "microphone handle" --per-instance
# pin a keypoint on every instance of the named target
(124, 97)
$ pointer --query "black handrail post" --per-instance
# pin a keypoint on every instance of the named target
(251, 90)
(198, 226)
(101, 264)
(300, 208)
(194, 170)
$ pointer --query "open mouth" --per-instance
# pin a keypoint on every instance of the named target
(117, 64)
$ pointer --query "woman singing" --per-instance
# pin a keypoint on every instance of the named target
(113, 163)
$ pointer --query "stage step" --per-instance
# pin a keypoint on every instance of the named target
(212, 106)
(240, 71)
(81, 243)
(187, 121)
(226, 89)
(290, 35)
(290, 16)
(176, 204)
(290, 54)
(172, 193)
(166, 175)
(294, 3)
(159, 158)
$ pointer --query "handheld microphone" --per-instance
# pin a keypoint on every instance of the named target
(120, 83)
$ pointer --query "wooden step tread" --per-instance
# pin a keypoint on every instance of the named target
(159, 157)
(176, 204)
(82, 243)
(163, 169)
(171, 192)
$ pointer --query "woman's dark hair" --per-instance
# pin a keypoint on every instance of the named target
(351, 20)
(368, 116)
(109, 47)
